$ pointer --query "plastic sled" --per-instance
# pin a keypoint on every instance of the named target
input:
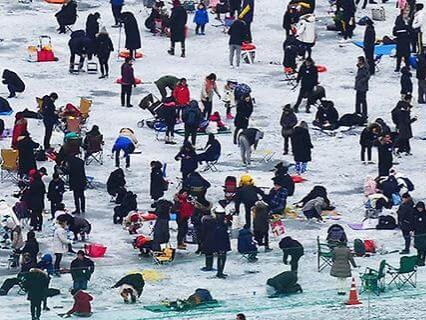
(126, 54)
(148, 216)
(185, 307)
(6, 113)
(321, 68)
(137, 81)
(298, 179)
(95, 250)
(55, 1)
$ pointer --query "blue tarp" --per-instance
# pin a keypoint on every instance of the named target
(379, 50)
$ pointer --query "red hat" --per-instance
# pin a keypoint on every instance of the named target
(176, 3)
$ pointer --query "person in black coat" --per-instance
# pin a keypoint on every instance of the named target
(81, 270)
(212, 150)
(242, 117)
(104, 47)
(168, 114)
(419, 227)
(92, 25)
(406, 213)
(403, 125)
(31, 246)
(36, 283)
(192, 117)
(402, 31)
(80, 45)
(187, 158)
(308, 77)
(237, 35)
(116, 184)
(50, 117)
(234, 7)
(291, 18)
(131, 29)
(327, 117)
(283, 178)
(67, 15)
(55, 193)
(366, 140)
(34, 198)
(247, 14)
(348, 9)
(178, 19)
(384, 146)
(292, 248)
(288, 121)
(13, 81)
(421, 78)
(158, 184)
(195, 184)
(222, 243)
(77, 183)
(247, 195)
(301, 145)
(26, 159)
(207, 239)
(369, 43)
(161, 233)
(128, 203)
(132, 285)
(406, 83)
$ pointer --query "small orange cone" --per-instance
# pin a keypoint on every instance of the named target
(353, 295)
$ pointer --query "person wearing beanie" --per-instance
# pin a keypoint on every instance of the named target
(406, 213)
(104, 47)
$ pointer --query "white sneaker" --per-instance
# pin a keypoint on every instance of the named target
(231, 67)
(237, 67)
(128, 170)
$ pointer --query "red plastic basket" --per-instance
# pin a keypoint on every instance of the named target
(95, 250)
(45, 56)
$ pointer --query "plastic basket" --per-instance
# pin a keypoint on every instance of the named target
(95, 250)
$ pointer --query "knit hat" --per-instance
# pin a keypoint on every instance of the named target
(176, 3)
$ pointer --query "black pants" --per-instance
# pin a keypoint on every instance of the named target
(421, 254)
(286, 143)
(116, 12)
(304, 93)
(369, 56)
(126, 94)
(54, 208)
(48, 129)
(57, 265)
(404, 145)
(247, 207)
(364, 4)
(79, 200)
(407, 239)
(191, 131)
(361, 102)
(208, 106)
(348, 27)
(237, 131)
(170, 130)
(36, 219)
(9, 283)
(294, 263)
(103, 64)
(262, 238)
(182, 230)
(363, 150)
(173, 45)
(399, 60)
(163, 92)
(221, 260)
(249, 35)
(35, 307)
(200, 27)
(117, 159)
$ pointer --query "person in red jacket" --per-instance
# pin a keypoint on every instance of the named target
(81, 307)
(181, 95)
(127, 81)
(186, 209)
(19, 128)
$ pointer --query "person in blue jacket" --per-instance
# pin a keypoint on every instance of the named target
(125, 142)
(201, 18)
(246, 244)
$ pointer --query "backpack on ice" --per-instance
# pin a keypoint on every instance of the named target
(352, 119)
(386, 223)
(359, 248)
(370, 246)
(241, 90)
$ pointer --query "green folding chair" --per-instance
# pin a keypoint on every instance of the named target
(405, 274)
(374, 280)
(324, 255)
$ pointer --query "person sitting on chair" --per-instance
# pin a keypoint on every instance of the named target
(91, 137)
(327, 117)
(211, 151)
(246, 244)
(67, 15)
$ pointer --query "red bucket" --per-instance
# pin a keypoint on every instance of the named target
(95, 250)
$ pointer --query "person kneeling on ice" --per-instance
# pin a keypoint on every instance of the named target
(81, 307)
(313, 208)
(131, 287)
(116, 185)
(327, 117)
(246, 244)
(277, 197)
(283, 284)
(125, 142)
(292, 248)
(247, 138)
(13, 81)
(211, 150)
(341, 268)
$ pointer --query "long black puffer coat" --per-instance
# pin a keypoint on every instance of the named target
(131, 29)
(301, 145)
(10, 77)
(178, 21)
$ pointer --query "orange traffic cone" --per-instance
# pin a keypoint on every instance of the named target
(353, 295)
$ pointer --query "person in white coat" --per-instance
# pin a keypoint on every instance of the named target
(305, 32)
(60, 244)
(419, 23)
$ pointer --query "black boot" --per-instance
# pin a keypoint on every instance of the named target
(209, 263)
(171, 51)
(183, 53)
(221, 259)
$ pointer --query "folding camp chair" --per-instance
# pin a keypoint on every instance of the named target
(406, 273)
(85, 105)
(210, 165)
(9, 165)
(249, 256)
(266, 155)
(167, 255)
(374, 280)
(89, 180)
(290, 76)
(94, 149)
(39, 104)
(73, 124)
(324, 255)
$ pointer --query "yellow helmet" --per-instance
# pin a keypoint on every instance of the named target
(246, 180)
